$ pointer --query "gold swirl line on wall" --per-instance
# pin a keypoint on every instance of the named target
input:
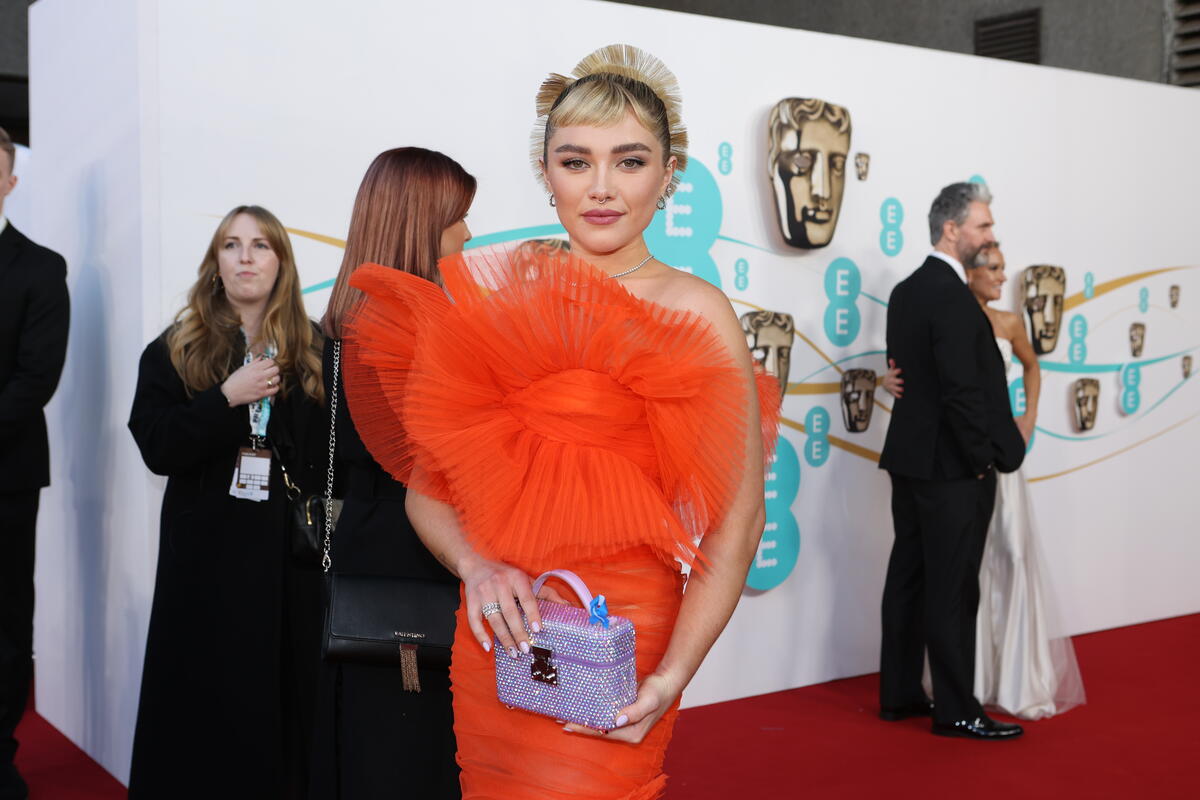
(836, 441)
(319, 237)
(1113, 454)
(1078, 299)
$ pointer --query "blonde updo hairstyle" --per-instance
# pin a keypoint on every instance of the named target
(608, 84)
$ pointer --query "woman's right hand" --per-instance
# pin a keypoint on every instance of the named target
(251, 382)
(486, 582)
(892, 382)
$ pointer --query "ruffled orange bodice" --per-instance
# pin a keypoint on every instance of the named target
(555, 410)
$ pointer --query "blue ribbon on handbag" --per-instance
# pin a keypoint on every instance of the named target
(598, 610)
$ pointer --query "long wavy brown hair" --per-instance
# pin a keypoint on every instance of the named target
(205, 342)
(407, 198)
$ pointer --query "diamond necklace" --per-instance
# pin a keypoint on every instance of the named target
(632, 270)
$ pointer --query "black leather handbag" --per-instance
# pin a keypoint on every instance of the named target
(382, 619)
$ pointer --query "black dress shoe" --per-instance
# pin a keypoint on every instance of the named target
(984, 728)
(897, 713)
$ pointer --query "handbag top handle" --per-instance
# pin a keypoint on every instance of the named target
(571, 579)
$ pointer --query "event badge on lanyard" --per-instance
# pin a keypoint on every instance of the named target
(252, 470)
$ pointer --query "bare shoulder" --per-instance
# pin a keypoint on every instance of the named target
(679, 290)
(1010, 322)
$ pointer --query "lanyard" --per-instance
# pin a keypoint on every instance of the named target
(260, 410)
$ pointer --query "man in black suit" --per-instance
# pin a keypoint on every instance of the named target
(949, 432)
(34, 315)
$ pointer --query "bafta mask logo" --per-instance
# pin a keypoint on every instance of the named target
(1044, 289)
(1087, 401)
(808, 142)
(1187, 367)
(770, 334)
(1173, 293)
(1137, 339)
(862, 165)
(858, 399)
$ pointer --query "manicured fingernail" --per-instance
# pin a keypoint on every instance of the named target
(537, 627)
(487, 646)
(621, 720)
(513, 652)
(524, 647)
(561, 721)
(567, 728)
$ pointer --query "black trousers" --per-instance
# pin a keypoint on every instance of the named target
(931, 596)
(18, 522)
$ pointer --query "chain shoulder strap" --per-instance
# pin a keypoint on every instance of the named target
(326, 561)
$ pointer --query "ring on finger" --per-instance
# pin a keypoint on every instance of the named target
(270, 381)
(490, 608)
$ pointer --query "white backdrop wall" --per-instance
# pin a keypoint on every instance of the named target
(150, 120)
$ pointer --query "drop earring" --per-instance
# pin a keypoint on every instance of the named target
(552, 201)
(662, 203)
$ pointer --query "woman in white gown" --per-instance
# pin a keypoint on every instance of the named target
(1024, 666)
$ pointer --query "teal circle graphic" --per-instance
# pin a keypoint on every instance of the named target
(977, 179)
(843, 282)
(778, 551)
(1089, 285)
(842, 324)
(682, 233)
(1143, 300)
(891, 241)
(1078, 327)
(891, 213)
(1131, 376)
(725, 150)
(1016, 397)
(1077, 352)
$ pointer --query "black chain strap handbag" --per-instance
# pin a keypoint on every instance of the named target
(384, 620)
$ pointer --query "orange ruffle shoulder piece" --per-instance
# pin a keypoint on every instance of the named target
(561, 415)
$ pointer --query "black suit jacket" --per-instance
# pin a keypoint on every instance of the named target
(954, 420)
(35, 313)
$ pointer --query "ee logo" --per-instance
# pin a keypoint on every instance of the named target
(1077, 352)
(843, 283)
(779, 547)
(1089, 285)
(891, 238)
(741, 269)
(682, 233)
(725, 154)
(1131, 395)
(816, 425)
(1143, 300)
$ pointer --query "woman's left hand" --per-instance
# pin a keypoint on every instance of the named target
(655, 696)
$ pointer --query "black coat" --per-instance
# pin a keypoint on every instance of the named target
(373, 739)
(954, 420)
(234, 640)
(35, 313)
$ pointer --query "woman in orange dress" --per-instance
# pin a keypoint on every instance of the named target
(595, 411)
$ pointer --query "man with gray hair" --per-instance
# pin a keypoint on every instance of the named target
(949, 431)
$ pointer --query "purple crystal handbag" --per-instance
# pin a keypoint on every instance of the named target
(581, 665)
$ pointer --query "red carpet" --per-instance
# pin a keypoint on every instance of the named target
(1138, 736)
(55, 769)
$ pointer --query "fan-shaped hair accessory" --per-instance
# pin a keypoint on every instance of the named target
(632, 64)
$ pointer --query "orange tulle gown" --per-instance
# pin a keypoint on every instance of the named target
(572, 425)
